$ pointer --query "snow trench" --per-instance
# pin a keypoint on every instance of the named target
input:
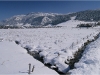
(58, 66)
(78, 54)
(36, 55)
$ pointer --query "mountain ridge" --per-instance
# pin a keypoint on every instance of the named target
(33, 19)
(44, 19)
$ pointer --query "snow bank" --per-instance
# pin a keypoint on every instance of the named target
(14, 60)
(89, 64)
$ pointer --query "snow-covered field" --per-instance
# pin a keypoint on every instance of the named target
(56, 45)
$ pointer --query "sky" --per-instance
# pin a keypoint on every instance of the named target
(11, 8)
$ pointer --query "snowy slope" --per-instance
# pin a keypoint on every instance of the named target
(14, 60)
(72, 23)
(45, 20)
(89, 64)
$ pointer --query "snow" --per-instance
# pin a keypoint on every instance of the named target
(27, 25)
(19, 24)
(41, 14)
(45, 20)
(43, 54)
(90, 61)
(49, 25)
(72, 23)
(55, 45)
(45, 14)
(59, 62)
(14, 60)
(28, 47)
(17, 17)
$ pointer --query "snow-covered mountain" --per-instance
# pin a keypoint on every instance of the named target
(35, 19)
(44, 19)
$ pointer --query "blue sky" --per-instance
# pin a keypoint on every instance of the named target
(11, 8)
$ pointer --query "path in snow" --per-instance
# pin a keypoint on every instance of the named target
(89, 64)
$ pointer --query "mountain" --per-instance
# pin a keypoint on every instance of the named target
(43, 19)
(36, 19)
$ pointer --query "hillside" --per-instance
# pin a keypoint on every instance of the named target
(40, 19)
(36, 19)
